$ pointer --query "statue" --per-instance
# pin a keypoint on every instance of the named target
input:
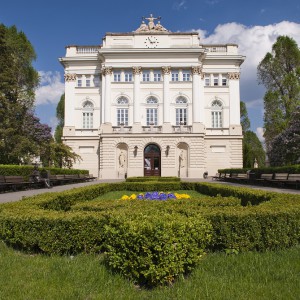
(159, 27)
(143, 27)
(182, 159)
(151, 21)
(122, 160)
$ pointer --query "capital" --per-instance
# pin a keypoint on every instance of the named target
(166, 70)
(106, 71)
(234, 75)
(70, 77)
(137, 70)
(197, 70)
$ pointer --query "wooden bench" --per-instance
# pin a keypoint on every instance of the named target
(265, 178)
(239, 177)
(293, 179)
(279, 178)
(16, 181)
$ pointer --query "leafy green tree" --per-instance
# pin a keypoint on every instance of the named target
(60, 115)
(279, 72)
(252, 147)
(18, 81)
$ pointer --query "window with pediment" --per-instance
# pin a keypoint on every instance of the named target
(181, 110)
(122, 111)
(87, 114)
(216, 114)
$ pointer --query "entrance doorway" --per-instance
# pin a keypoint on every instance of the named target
(152, 160)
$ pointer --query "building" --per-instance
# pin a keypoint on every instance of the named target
(152, 102)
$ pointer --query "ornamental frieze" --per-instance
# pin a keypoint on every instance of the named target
(234, 75)
(197, 70)
(70, 77)
(137, 70)
(166, 70)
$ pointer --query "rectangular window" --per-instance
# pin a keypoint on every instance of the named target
(207, 80)
(157, 76)
(79, 82)
(117, 76)
(224, 80)
(88, 81)
(122, 116)
(151, 116)
(181, 116)
(216, 80)
(175, 76)
(87, 122)
(146, 76)
(216, 119)
(128, 76)
(186, 75)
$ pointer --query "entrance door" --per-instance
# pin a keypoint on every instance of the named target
(152, 160)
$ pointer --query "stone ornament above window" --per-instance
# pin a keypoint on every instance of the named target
(166, 70)
(151, 26)
(235, 75)
(70, 77)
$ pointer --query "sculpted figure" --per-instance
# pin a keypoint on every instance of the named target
(122, 160)
(182, 159)
(159, 27)
(151, 19)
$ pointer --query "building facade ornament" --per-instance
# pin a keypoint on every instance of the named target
(151, 26)
(166, 70)
(197, 70)
(234, 75)
(106, 71)
(137, 70)
(70, 77)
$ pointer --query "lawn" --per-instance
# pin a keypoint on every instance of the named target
(252, 275)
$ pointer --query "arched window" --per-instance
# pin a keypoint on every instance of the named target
(122, 111)
(216, 114)
(151, 112)
(181, 110)
(87, 114)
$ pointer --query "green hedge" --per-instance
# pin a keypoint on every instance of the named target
(152, 242)
(294, 169)
(26, 171)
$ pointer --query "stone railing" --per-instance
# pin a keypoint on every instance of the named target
(151, 129)
(216, 48)
(122, 129)
(182, 129)
(87, 49)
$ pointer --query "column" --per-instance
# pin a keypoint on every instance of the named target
(102, 105)
(107, 110)
(234, 96)
(197, 111)
(166, 78)
(136, 95)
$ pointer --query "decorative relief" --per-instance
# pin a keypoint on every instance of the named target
(70, 77)
(166, 70)
(197, 70)
(151, 26)
(106, 71)
(137, 70)
(235, 75)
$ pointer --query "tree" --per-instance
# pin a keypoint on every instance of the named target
(279, 71)
(60, 115)
(18, 81)
(252, 147)
(286, 146)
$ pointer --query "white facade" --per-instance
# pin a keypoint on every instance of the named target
(152, 102)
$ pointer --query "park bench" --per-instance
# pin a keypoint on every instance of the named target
(293, 179)
(239, 177)
(15, 182)
(265, 178)
(279, 178)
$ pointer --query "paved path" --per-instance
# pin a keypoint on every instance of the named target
(16, 196)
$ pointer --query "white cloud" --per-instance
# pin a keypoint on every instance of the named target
(50, 89)
(179, 5)
(260, 134)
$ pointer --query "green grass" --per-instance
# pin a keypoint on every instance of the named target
(270, 275)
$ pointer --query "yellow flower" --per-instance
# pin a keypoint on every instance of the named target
(125, 197)
(133, 197)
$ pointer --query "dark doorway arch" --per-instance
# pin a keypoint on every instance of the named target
(152, 158)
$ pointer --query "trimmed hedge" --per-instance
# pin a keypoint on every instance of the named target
(26, 171)
(152, 178)
(152, 242)
(294, 169)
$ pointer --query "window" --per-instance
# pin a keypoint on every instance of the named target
(224, 80)
(151, 116)
(216, 114)
(207, 80)
(181, 116)
(152, 100)
(122, 116)
(117, 76)
(175, 76)
(146, 76)
(181, 100)
(122, 100)
(216, 80)
(157, 76)
(128, 76)
(87, 115)
(79, 81)
(186, 75)
(88, 81)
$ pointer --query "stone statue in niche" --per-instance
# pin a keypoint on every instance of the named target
(182, 159)
(122, 160)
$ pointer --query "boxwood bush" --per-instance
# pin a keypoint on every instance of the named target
(152, 242)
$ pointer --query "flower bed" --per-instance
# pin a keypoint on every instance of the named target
(156, 196)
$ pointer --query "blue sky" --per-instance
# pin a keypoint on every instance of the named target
(51, 25)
